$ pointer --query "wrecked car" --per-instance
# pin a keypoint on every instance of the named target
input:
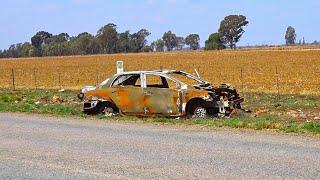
(168, 93)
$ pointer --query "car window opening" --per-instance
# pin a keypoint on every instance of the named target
(128, 80)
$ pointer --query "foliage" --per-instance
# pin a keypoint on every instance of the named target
(108, 36)
(18, 50)
(66, 104)
(214, 42)
(193, 40)
(158, 45)
(139, 40)
(83, 44)
(180, 43)
(170, 40)
(231, 29)
(107, 40)
(290, 36)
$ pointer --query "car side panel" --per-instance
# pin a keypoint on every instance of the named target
(161, 101)
(128, 99)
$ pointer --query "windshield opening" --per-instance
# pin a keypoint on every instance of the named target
(186, 78)
(103, 83)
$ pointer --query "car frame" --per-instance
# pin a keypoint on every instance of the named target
(132, 93)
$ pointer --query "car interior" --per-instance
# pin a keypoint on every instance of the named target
(153, 81)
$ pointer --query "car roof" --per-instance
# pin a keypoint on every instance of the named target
(163, 72)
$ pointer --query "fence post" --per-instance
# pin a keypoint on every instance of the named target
(278, 85)
(35, 78)
(78, 76)
(97, 76)
(13, 80)
(241, 78)
(59, 78)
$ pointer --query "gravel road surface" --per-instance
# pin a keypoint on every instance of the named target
(40, 147)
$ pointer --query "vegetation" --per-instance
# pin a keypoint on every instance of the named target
(214, 42)
(277, 118)
(170, 40)
(193, 41)
(109, 41)
(158, 45)
(290, 36)
(40, 101)
(231, 29)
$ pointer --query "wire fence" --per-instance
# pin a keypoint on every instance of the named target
(35, 78)
(245, 79)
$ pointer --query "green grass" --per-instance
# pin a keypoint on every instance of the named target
(67, 104)
(39, 101)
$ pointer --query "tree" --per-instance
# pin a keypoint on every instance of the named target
(139, 40)
(193, 40)
(124, 44)
(146, 48)
(84, 43)
(40, 39)
(55, 49)
(180, 43)
(108, 37)
(290, 36)
(13, 50)
(60, 38)
(231, 29)
(170, 40)
(26, 50)
(158, 45)
(214, 42)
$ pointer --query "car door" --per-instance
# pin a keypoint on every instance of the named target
(127, 93)
(161, 96)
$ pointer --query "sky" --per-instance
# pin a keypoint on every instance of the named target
(268, 19)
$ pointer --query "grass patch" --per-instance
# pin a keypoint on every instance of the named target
(40, 101)
(67, 104)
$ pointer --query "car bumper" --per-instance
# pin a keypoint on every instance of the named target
(88, 105)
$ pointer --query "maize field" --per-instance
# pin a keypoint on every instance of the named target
(270, 71)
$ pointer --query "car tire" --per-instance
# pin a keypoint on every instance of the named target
(107, 109)
(200, 112)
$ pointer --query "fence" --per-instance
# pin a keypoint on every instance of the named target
(270, 80)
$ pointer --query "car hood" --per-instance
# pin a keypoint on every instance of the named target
(88, 88)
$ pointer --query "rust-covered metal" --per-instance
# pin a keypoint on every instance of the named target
(161, 93)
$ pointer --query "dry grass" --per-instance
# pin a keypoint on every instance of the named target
(299, 70)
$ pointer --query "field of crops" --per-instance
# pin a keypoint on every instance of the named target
(297, 71)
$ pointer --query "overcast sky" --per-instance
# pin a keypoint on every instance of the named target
(21, 19)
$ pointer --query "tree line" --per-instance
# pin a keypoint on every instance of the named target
(109, 41)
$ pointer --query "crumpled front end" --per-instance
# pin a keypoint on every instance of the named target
(84, 90)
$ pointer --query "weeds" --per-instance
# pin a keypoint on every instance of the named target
(66, 104)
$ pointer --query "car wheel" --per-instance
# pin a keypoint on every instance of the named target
(200, 112)
(107, 109)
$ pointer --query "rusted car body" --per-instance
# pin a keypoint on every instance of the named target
(168, 93)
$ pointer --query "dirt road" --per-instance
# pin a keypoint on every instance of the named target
(37, 147)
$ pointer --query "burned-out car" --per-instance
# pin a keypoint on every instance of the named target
(169, 93)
